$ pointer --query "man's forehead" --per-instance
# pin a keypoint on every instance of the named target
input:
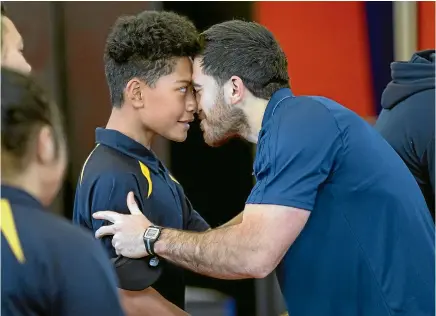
(198, 61)
(197, 71)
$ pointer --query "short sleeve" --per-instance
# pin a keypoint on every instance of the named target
(110, 193)
(196, 222)
(296, 154)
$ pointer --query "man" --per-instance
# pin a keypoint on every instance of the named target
(148, 69)
(407, 118)
(49, 267)
(334, 209)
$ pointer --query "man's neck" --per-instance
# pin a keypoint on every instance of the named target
(128, 124)
(254, 109)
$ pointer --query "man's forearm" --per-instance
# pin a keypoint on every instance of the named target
(225, 253)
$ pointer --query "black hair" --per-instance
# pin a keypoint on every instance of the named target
(3, 12)
(25, 108)
(247, 50)
(144, 46)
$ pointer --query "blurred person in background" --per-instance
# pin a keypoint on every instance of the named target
(148, 68)
(12, 45)
(335, 211)
(408, 116)
(49, 267)
(42, 272)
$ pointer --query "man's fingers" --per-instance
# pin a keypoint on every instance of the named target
(131, 204)
(107, 215)
(105, 231)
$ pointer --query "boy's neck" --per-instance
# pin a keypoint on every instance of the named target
(128, 124)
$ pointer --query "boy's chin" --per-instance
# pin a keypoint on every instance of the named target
(178, 137)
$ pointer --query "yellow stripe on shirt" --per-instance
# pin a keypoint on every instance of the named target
(174, 179)
(86, 161)
(146, 172)
(9, 230)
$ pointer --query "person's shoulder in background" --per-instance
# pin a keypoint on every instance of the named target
(409, 103)
(407, 120)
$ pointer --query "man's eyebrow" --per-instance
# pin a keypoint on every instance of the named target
(196, 85)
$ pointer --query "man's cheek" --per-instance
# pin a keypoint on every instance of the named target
(208, 102)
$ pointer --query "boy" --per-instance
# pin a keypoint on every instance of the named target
(148, 69)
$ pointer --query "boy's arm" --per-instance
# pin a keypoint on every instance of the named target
(109, 191)
(136, 276)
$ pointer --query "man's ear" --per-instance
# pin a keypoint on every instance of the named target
(134, 93)
(235, 90)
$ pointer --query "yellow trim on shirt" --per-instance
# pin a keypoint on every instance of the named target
(86, 161)
(174, 179)
(7, 227)
(146, 172)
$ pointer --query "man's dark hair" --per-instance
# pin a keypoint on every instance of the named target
(247, 50)
(144, 46)
(25, 108)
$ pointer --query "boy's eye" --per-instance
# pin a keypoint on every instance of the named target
(183, 89)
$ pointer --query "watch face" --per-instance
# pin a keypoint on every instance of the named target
(152, 233)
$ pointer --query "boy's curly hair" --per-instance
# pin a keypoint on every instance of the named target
(145, 46)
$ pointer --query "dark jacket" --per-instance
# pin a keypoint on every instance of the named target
(407, 120)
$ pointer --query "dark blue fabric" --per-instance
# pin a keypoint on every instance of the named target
(111, 172)
(65, 271)
(368, 246)
(407, 120)
(409, 78)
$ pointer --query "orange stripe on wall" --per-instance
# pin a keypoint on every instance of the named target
(426, 24)
(327, 48)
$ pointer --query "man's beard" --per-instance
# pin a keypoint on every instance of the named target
(223, 123)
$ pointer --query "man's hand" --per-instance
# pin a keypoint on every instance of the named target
(128, 230)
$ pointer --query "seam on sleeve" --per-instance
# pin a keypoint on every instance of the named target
(110, 194)
(331, 116)
(334, 119)
(112, 178)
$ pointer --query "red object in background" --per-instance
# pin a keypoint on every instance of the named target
(426, 25)
(327, 48)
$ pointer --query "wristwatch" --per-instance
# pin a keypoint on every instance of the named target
(151, 235)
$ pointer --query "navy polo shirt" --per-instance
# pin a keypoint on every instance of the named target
(368, 246)
(116, 166)
(50, 267)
